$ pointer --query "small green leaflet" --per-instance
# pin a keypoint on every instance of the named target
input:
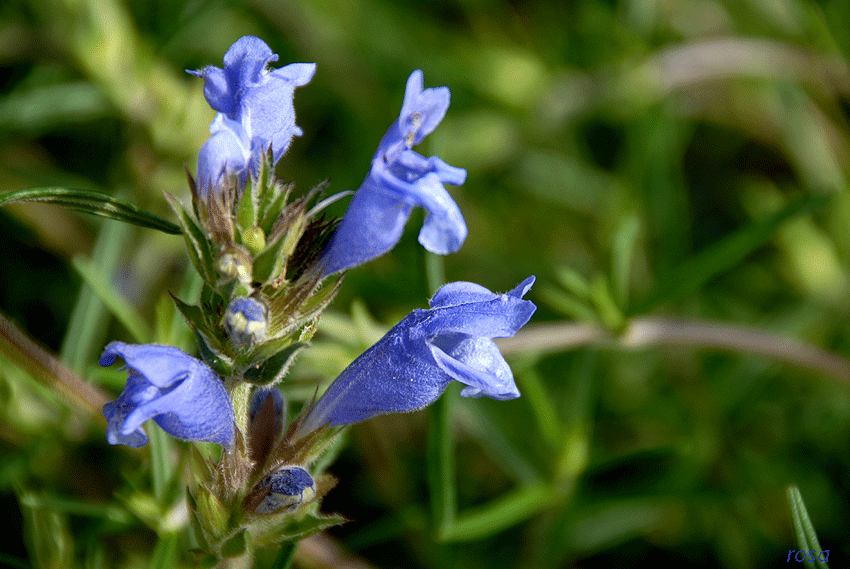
(92, 202)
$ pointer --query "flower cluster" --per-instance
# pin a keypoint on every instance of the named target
(270, 265)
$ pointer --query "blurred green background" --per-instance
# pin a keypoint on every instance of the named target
(685, 160)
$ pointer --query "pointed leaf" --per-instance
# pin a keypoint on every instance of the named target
(275, 367)
(276, 529)
(200, 251)
(235, 546)
(92, 202)
(500, 514)
(807, 539)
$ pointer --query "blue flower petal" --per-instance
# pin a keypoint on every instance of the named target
(268, 111)
(477, 363)
(183, 395)
(422, 109)
(225, 153)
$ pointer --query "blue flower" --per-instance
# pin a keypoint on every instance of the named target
(411, 366)
(256, 111)
(183, 395)
(399, 180)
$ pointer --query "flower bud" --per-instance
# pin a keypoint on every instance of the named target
(245, 321)
(235, 263)
(288, 487)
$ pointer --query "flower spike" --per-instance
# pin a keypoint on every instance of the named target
(398, 180)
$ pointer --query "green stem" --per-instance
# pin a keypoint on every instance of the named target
(285, 556)
(441, 465)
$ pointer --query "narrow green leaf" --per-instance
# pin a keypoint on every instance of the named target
(807, 539)
(196, 318)
(275, 367)
(235, 546)
(159, 446)
(126, 314)
(500, 514)
(719, 257)
(221, 366)
(566, 304)
(573, 282)
(46, 533)
(92, 202)
(435, 272)
(622, 250)
(246, 210)
(14, 562)
(166, 552)
(76, 507)
(44, 367)
(44, 108)
(86, 334)
(603, 525)
(282, 527)
(540, 401)
(478, 418)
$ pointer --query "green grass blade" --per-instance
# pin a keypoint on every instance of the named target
(501, 514)
(166, 552)
(481, 421)
(87, 330)
(126, 314)
(159, 445)
(77, 507)
(807, 539)
(26, 354)
(535, 393)
(92, 202)
(435, 272)
(13, 562)
(622, 251)
(719, 257)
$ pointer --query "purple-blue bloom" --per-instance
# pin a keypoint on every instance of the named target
(400, 179)
(184, 396)
(256, 111)
(413, 363)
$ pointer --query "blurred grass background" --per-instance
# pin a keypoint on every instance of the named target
(680, 159)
